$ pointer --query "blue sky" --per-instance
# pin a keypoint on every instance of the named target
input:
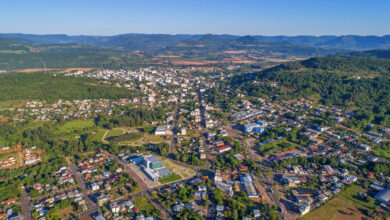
(242, 17)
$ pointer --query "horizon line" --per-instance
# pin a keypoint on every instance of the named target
(280, 35)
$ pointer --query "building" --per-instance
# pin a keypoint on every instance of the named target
(251, 190)
(223, 149)
(218, 176)
(304, 208)
(246, 178)
(383, 196)
(291, 180)
(253, 127)
(152, 162)
(226, 188)
(163, 130)
(154, 168)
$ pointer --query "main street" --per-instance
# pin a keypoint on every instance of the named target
(174, 131)
(25, 204)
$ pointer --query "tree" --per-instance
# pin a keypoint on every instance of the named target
(218, 196)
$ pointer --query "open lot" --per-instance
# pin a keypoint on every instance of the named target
(346, 205)
(144, 205)
(77, 124)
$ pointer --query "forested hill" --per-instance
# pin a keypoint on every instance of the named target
(380, 54)
(340, 65)
(16, 55)
(357, 83)
(39, 86)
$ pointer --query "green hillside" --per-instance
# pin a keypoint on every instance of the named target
(357, 83)
(40, 86)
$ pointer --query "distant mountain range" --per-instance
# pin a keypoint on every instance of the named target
(18, 51)
(152, 42)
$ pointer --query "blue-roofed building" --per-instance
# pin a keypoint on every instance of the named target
(137, 160)
(255, 127)
(246, 178)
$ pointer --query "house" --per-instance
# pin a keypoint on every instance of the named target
(177, 208)
(291, 180)
(326, 169)
(129, 204)
(114, 207)
(349, 179)
(223, 149)
(256, 213)
(304, 208)
(202, 188)
(163, 130)
(95, 186)
(226, 188)
(218, 176)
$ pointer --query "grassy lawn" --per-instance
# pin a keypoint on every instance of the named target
(144, 205)
(171, 165)
(278, 146)
(153, 139)
(99, 135)
(114, 132)
(10, 103)
(169, 179)
(183, 174)
(346, 205)
(77, 124)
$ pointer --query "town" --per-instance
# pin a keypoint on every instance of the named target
(185, 144)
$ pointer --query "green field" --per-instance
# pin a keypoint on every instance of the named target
(13, 51)
(99, 135)
(345, 205)
(278, 146)
(10, 103)
(77, 124)
(169, 179)
(114, 132)
(144, 205)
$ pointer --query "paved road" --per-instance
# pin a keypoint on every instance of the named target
(26, 206)
(81, 184)
(268, 181)
(174, 137)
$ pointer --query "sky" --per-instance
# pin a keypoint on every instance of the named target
(239, 17)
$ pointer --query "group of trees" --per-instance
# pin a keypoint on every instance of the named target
(130, 117)
(125, 137)
(39, 86)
